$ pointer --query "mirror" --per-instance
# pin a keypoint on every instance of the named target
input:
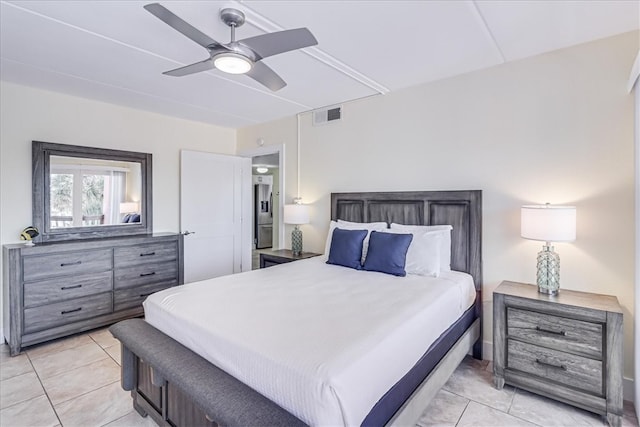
(86, 192)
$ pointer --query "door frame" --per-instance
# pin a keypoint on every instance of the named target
(261, 151)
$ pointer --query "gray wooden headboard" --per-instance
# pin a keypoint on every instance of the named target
(461, 209)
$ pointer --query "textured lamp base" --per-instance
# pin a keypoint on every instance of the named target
(548, 276)
(296, 241)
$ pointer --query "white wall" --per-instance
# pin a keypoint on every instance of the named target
(555, 128)
(28, 114)
(635, 87)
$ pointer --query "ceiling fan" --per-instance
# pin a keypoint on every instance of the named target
(238, 56)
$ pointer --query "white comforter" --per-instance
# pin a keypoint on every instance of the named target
(324, 342)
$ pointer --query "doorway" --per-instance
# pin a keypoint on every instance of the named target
(267, 203)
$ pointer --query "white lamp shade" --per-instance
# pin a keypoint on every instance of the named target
(296, 214)
(129, 207)
(548, 223)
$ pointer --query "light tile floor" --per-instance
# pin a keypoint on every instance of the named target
(76, 382)
(469, 399)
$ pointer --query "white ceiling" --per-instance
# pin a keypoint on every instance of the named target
(115, 51)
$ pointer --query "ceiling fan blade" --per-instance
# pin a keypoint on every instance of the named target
(180, 25)
(266, 76)
(279, 42)
(205, 65)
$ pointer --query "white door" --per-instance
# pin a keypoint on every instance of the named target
(213, 205)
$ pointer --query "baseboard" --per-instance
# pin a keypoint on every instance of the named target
(628, 388)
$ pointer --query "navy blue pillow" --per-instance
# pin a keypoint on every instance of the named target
(346, 248)
(387, 253)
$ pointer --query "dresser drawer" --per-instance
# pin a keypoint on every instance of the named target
(556, 332)
(64, 288)
(144, 254)
(66, 263)
(132, 297)
(48, 316)
(145, 274)
(568, 369)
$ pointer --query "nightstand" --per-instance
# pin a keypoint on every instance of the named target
(281, 256)
(567, 347)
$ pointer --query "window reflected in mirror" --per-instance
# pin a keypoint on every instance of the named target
(92, 192)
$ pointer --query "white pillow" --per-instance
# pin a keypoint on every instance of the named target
(377, 226)
(445, 241)
(365, 224)
(423, 256)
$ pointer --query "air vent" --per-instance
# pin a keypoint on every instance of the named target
(327, 115)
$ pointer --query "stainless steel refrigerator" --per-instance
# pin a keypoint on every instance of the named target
(263, 216)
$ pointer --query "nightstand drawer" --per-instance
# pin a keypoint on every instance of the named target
(575, 371)
(571, 335)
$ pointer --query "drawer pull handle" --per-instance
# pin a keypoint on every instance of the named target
(549, 331)
(147, 274)
(145, 295)
(64, 288)
(65, 264)
(148, 254)
(551, 365)
(71, 311)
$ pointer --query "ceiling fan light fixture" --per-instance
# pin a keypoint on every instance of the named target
(232, 63)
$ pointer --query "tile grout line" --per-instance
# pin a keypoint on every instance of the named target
(105, 349)
(66, 349)
(91, 391)
(60, 373)
(516, 416)
(113, 421)
(491, 407)
(44, 390)
(462, 413)
(86, 392)
(25, 400)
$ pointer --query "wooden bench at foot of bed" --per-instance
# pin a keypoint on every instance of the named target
(157, 370)
(177, 387)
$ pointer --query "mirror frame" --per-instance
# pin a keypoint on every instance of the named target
(42, 152)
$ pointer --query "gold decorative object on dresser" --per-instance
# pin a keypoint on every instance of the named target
(51, 290)
(567, 347)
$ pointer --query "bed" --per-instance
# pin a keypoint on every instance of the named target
(177, 383)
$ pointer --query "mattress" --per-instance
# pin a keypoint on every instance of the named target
(322, 341)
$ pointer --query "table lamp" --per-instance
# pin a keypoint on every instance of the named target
(296, 214)
(548, 223)
(128, 207)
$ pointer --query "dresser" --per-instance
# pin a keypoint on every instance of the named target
(51, 290)
(567, 347)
